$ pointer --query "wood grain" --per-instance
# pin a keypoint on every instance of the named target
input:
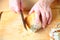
(11, 26)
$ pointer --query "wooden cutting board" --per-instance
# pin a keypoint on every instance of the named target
(11, 26)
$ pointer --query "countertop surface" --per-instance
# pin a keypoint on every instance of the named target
(11, 26)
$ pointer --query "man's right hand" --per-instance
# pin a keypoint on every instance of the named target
(14, 5)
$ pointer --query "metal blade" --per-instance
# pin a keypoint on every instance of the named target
(22, 16)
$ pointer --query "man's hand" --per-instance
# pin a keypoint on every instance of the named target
(15, 5)
(43, 9)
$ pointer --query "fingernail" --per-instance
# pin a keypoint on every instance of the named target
(43, 27)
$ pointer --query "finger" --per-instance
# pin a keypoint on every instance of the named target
(34, 8)
(50, 18)
(47, 16)
(31, 10)
(44, 20)
(13, 5)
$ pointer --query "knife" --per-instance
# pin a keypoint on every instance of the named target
(22, 16)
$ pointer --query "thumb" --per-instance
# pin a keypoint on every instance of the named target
(32, 10)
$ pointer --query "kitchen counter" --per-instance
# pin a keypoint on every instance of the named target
(11, 26)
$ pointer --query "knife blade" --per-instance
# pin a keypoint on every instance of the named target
(22, 16)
